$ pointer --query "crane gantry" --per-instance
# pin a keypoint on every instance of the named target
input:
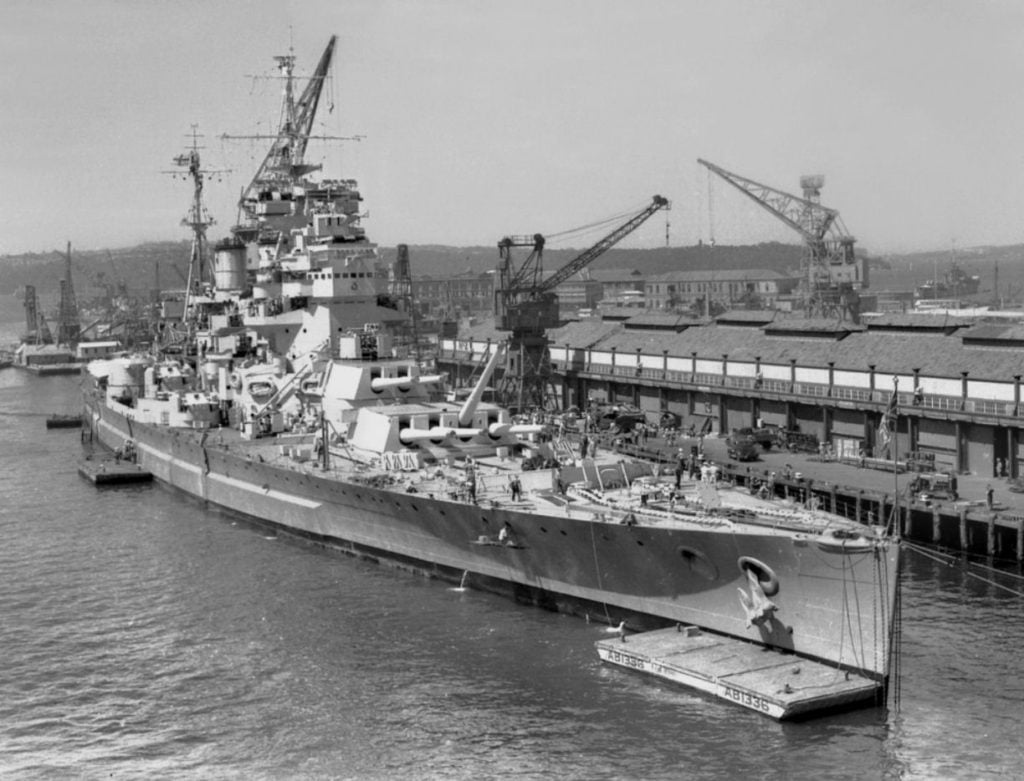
(831, 275)
(526, 305)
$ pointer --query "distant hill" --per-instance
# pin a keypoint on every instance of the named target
(137, 266)
(438, 262)
(93, 270)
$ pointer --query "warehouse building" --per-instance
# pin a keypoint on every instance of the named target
(958, 385)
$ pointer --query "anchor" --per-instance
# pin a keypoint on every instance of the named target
(758, 608)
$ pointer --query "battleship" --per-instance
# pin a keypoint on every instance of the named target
(290, 401)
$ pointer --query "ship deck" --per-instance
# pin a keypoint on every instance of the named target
(641, 501)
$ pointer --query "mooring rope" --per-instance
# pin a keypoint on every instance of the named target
(949, 561)
(597, 571)
(896, 647)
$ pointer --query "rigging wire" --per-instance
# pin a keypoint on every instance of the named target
(896, 646)
(949, 561)
(592, 226)
(711, 209)
(597, 571)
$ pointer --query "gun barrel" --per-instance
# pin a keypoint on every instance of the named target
(526, 428)
(383, 383)
(435, 434)
(471, 403)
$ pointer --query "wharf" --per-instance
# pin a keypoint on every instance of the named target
(873, 496)
(764, 680)
(110, 471)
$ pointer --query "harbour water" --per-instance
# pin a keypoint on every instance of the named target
(145, 635)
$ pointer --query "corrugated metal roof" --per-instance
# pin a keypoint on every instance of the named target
(749, 316)
(812, 325)
(935, 355)
(914, 320)
(584, 334)
(890, 352)
(668, 321)
(993, 332)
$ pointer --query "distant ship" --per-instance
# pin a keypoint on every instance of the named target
(955, 283)
(300, 410)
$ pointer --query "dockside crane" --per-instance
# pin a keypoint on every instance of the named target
(831, 275)
(400, 291)
(69, 326)
(37, 331)
(526, 305)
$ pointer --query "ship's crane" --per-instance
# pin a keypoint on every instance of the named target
(831, 274)
(526, 305)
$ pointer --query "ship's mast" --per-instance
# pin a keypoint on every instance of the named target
(285, 162)
(197, 220)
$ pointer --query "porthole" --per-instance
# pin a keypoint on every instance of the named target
(765, 575)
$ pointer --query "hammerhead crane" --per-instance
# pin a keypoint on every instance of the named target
(526, 305)
(831, 274)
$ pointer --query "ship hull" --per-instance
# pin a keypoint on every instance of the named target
(834, 601)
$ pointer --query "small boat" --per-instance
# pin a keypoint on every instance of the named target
(57, 420)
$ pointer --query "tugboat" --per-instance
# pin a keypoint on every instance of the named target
(299, 409)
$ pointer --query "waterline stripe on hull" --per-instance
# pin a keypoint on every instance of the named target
(265, 493)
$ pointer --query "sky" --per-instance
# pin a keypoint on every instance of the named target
(485, 118)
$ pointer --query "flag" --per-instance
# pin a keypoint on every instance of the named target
(885, 428)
